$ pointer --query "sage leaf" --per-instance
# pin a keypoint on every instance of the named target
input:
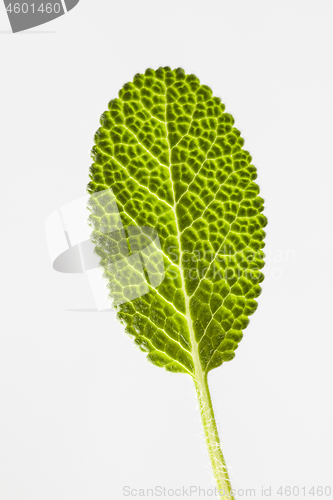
(174, 161)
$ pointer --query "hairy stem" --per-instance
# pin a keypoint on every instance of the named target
(212, 438)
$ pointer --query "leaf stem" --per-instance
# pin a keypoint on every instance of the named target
(212, 438)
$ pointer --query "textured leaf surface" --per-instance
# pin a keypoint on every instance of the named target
(176, 163)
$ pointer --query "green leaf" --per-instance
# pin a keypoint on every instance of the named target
(176, 163)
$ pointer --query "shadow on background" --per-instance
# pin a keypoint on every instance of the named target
(89, 310)
(28, 32)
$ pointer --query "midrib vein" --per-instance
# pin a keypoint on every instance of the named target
(198, 371)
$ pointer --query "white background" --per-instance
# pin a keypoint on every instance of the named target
(82, 412)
